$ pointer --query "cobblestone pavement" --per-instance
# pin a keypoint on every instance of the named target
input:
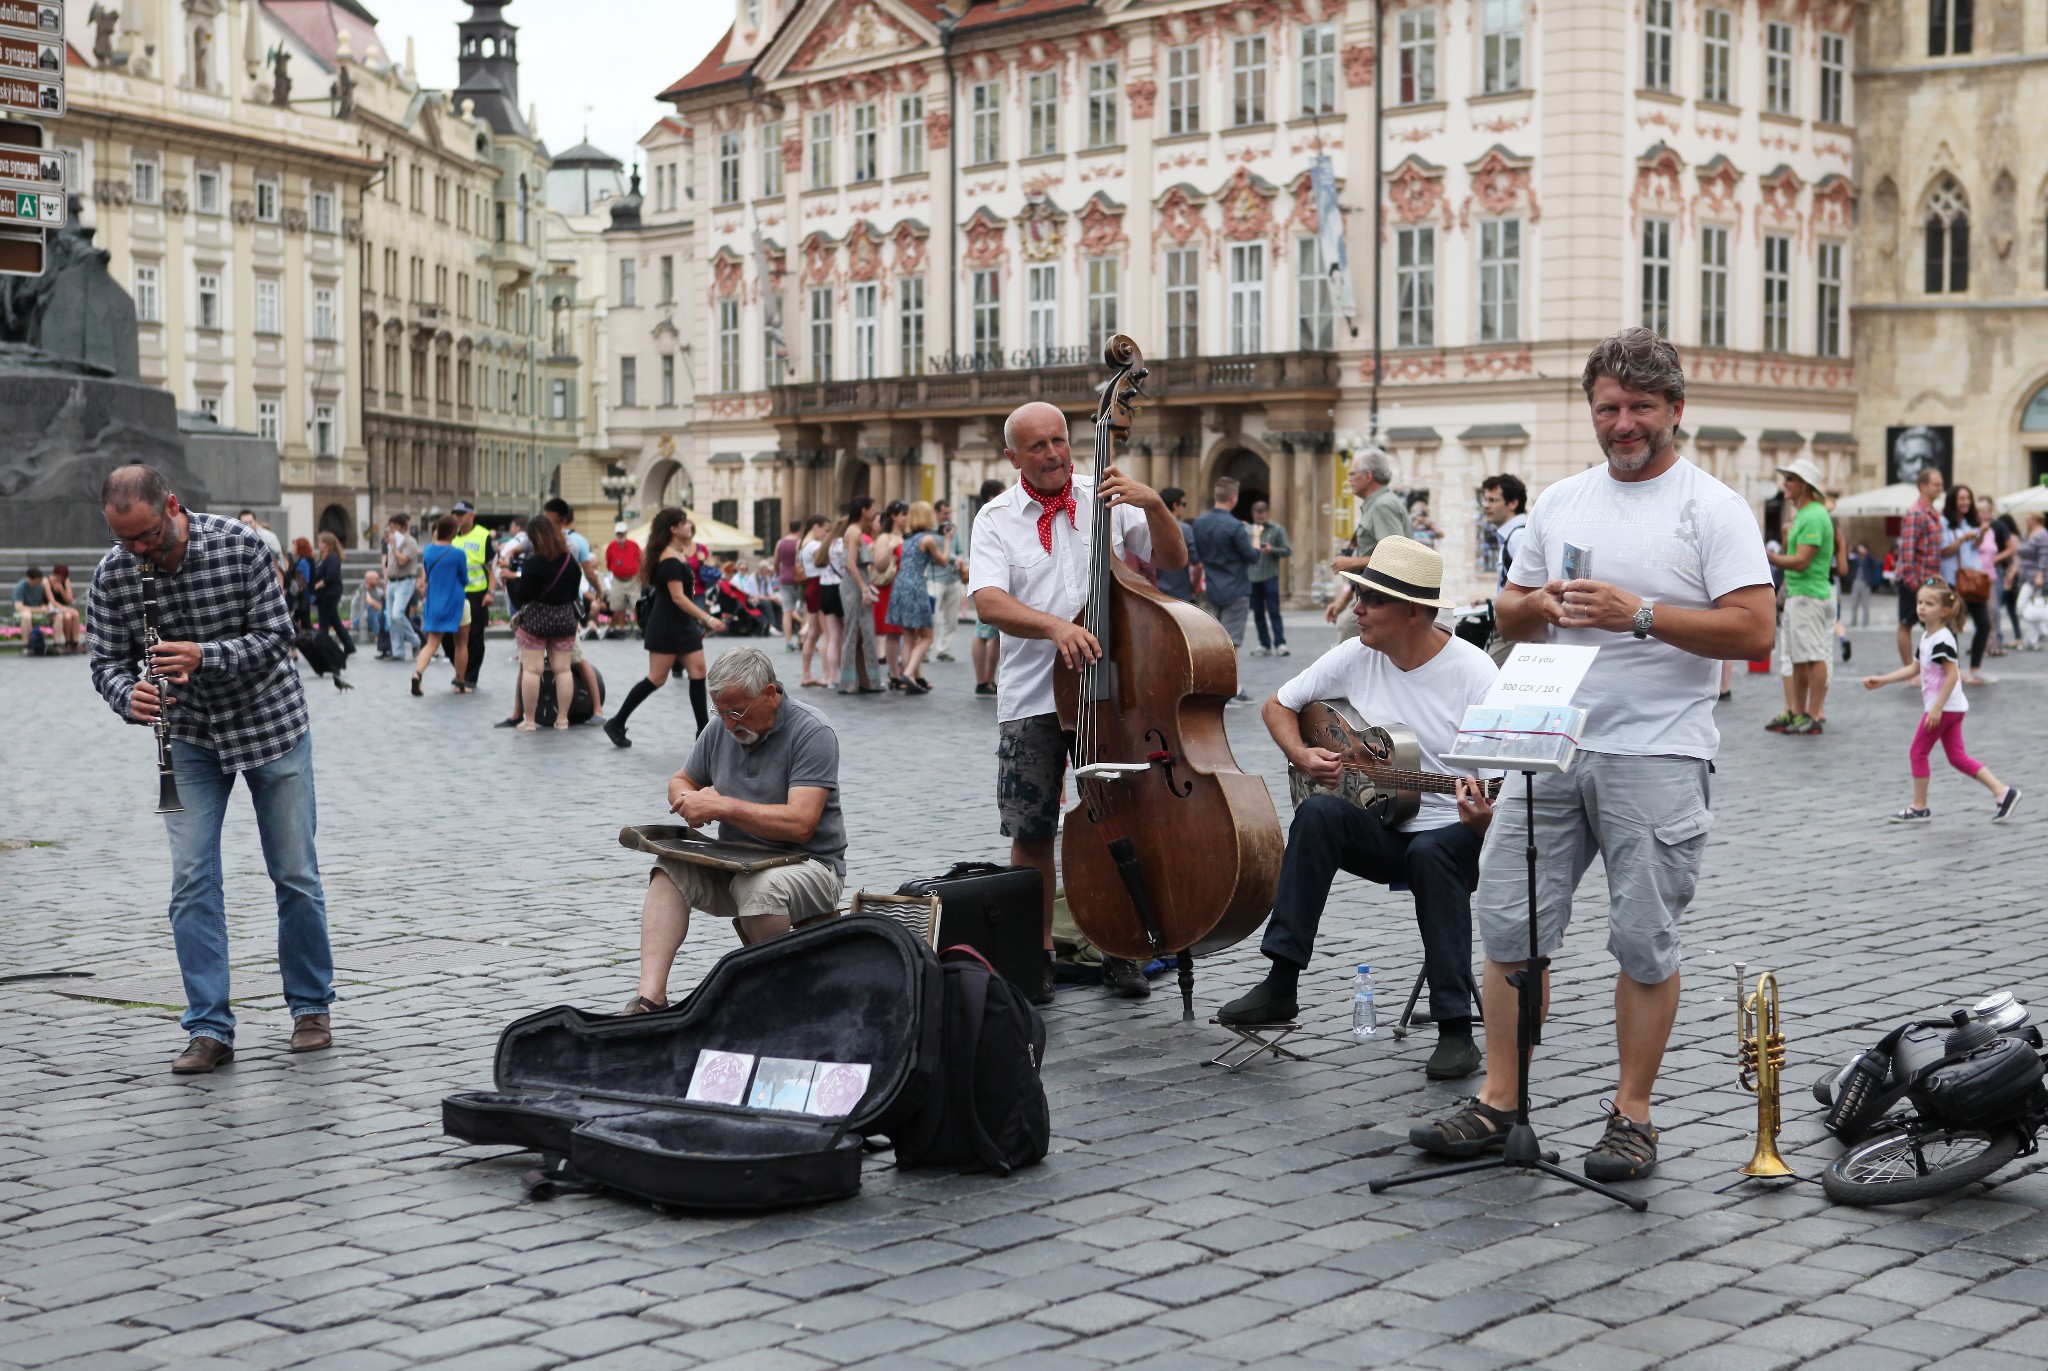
(306, 1211)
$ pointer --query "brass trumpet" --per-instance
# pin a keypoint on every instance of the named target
(1761, 1056)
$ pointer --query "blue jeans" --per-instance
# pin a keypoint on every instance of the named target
(1265, 609)
(405, 639)
(282, 791)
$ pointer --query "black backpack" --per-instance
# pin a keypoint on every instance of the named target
(986, 1110)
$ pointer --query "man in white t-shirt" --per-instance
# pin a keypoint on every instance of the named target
(1031, 546)
(1401, 669)
(1675, 583)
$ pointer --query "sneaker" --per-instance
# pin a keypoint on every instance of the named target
(1262, 652)
(1627, 1151)
(1122, 977)
(1456, 1057)
(616, 731)
(1909, 815)
(1045, 985)
(1281, 651)
(2006, 804)
(942, 657)
(1468, 1130)
(1260, 1005)
(1805, 727)
(1781, 722)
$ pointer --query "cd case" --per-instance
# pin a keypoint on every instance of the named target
(1521, 737)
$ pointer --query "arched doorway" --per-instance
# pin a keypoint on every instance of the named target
(854, 475)
(1253, 476)
(334, 519)
(2034, 435)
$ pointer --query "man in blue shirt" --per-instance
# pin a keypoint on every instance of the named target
(1224, 544)
(1181, 582)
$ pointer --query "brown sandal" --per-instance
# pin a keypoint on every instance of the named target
(640, 1004)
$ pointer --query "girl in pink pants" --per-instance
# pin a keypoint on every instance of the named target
(1939, 669)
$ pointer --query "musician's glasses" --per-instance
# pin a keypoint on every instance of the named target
(148, 541)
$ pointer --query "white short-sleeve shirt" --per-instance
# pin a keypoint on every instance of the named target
(1430, 700)
(1680, 539)
(1008, 557)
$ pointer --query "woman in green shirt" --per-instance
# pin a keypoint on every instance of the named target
(1271, 541)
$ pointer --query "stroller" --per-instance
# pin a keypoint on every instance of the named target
(743, 618)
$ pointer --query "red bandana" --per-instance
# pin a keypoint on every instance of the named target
(1051, 505)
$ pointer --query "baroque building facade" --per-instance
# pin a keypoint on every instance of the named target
(910, 218)
(231, 207)
(1952, 305)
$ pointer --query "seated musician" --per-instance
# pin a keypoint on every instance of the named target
(1401, 669)
(768, 775)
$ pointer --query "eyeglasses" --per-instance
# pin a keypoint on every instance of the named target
(148, 540)
(735, 714)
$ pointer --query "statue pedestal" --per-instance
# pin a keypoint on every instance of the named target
(61, 433)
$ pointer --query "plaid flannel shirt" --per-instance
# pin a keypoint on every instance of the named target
(245, 701)
(1921, 539)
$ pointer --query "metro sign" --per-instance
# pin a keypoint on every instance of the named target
(45, 208)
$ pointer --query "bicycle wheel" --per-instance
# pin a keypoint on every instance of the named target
(1899, 1166)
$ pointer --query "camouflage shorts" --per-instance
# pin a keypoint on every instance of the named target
(1031, 763)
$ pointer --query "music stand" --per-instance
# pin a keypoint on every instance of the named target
(1522, 1151)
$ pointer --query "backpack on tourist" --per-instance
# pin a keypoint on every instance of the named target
(38, 644)
(986, 1109)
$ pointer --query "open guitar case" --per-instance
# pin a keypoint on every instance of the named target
(602, 1097)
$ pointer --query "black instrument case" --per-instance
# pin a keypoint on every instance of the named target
(606, 1093)
(997, 910)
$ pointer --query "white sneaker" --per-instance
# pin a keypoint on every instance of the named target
(1281, 651)
(1262, 652)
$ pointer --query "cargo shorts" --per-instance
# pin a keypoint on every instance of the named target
(1647, 819)
(1031, 768)
(799, 891)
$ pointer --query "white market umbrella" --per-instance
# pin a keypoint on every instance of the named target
(2032, 500)
(1884, 501)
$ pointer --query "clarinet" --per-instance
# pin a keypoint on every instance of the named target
(167, 801)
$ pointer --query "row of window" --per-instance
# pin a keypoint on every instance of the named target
(322, 433)
(1716, 288)
(629, 280)
(501, 469)
(1717, 72)
(508, 396)
(146, 184)
(1246, 317)
(469, 209)
(629, 375)
(1044, 111)
(210, 303)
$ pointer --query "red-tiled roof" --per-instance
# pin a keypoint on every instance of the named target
(319, 24)
(714, 70)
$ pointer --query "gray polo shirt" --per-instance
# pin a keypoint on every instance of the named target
(800, 750)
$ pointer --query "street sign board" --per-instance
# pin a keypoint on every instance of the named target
(26, 95)
(38, 18)
(32, 207)
(33, 196)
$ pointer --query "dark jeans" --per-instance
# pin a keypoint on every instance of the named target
(1441, 866)
(331, 623)
(1980, 616)
(1265, 608)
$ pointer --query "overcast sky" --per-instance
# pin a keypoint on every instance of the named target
(594, 63)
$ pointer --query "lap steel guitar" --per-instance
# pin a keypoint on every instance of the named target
(1382, 764)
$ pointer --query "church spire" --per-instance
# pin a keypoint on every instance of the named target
(489, 63)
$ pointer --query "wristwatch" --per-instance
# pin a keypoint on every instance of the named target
(1645, 615)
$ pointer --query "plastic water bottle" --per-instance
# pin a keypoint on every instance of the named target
(1365, 1017)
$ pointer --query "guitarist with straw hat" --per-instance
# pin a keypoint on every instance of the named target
(1402, 668)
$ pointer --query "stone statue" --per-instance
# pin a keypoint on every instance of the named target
(103, 21)
(202, 58)
(281, 77)
(72, 398)
(344, 92)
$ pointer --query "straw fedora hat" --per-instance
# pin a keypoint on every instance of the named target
(1406, 570)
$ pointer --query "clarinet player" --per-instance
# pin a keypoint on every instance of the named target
(234, 706)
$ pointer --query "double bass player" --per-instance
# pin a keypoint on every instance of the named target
(1031, 577)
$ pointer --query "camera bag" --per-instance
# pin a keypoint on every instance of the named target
(602, 1098)
(1984, 1084)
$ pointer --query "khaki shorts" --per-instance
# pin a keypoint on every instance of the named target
(1809, 626)
(1647, 820)
(799, 892)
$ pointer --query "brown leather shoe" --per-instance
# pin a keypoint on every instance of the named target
(310, 1033)
(200, 1056)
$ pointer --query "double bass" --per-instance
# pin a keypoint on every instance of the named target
(1169, 847)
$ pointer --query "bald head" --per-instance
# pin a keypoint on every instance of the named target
(129, 486)
(1035, 441)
